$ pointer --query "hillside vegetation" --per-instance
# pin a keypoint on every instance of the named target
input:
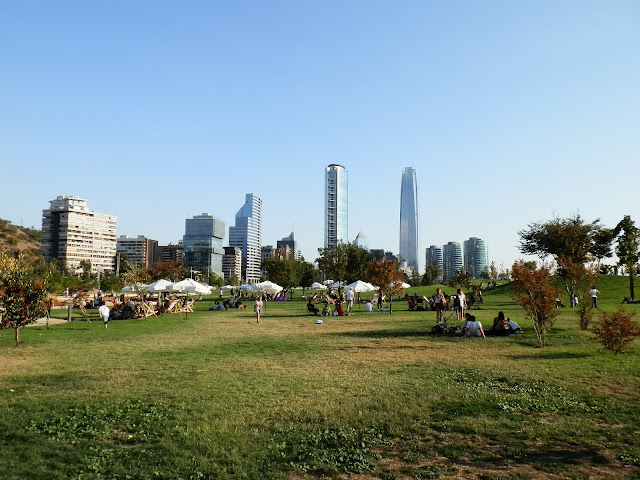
(16, 240)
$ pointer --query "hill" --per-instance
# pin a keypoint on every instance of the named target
(19, 240)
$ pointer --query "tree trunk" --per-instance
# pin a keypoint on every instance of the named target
(631, 292)
(17, 336)
(68, 313)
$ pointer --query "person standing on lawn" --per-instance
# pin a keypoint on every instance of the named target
(103, 311)
(258, 308)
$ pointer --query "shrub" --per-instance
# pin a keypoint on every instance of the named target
(616, 330)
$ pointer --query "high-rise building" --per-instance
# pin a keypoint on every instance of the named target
(451, 260)
(290, 243)
(246, 234)
(202, 243)
(361, 241)
(232, 263)
(434, 257)
(139, 251)
(171, 253)
(71, 233)
(336, 212)
(476, 258)
(409, 218)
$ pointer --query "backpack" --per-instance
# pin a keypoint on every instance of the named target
(456, 301)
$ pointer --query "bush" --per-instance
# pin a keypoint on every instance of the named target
(616, 330)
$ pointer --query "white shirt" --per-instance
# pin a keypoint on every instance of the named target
(103, 310)
(349, 295)
(474, 329)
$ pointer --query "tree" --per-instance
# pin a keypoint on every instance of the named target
(346, 262)
(462, 279)
(616, 330)
(628, 249)
(170, 270)
(493, 271)
(536, 292)
(308, 274)
(23, 298)
(386, 275)
(431, 274)
(215, 280)
(571, 242)
(284, 272)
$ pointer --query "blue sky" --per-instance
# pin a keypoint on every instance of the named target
(511, 112)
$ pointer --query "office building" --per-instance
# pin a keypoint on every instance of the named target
(476, 258)
(246, 234)
(361, 241)
(232, 263)
(202, 243)
(139, 251)
(434, 257)
(171, 253)
(290, 244)
(451, 260)
(409, 219)
(71, 233)
(336, 214)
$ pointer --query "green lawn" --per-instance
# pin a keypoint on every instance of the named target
(374, 395)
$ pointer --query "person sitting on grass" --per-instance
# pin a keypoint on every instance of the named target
(500, 326)
(369, 306)
(473, 328)
(325, 310)
(338, 311)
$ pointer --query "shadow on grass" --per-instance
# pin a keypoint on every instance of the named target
(554, 356)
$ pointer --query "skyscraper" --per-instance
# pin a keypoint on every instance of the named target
(72, 233)
(246, 234)
(409, 218)
(336, 212)
(476, 259)
(434, 257)
(202, 243)
(451, 259)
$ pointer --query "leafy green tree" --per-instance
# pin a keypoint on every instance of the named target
(233, 280)
(628, 249)
(536, 292)
(431, 274)
(346, 262)
(23, 298)
(110, 282)
(308, 274)
(215, 280)
(170, 270)
(284, 272)
(571, 242)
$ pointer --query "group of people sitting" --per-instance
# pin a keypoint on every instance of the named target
(231, 302)
(327, 311)
(502, 327)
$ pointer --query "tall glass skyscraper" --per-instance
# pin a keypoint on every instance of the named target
(452, 260)
(336, 210)
(247, 236)
(202, 240)
(409, 218)
(476, 258)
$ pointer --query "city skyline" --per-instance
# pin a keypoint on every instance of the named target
(507, 109)
(336, 206)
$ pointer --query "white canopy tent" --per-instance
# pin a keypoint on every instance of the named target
(317, 286)
(268, 287)
(158, 286)
(189, 286)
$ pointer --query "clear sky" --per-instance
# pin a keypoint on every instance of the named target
(510, 111)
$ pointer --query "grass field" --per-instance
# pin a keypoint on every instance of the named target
(370, 396)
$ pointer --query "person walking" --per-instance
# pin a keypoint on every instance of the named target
(350, 297)
(594, 296)
(103, 311)
(258, 308)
